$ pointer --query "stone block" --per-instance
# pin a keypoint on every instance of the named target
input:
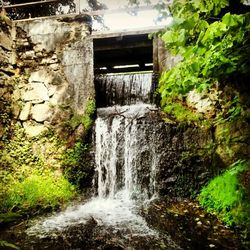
(41, 112)
(6, 41)
(33, 130)
(41, 76)
(24, 115)
(39, 93)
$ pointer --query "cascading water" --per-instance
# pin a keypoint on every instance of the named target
(125, 89)
(127, 155)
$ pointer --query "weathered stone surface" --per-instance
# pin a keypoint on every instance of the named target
(50, 33)
(49, 60)
(28, 55)
(41, 76)
(33, 130)
(51, 90)
(54, 66)
(6, 40)
(4, 57)
(15, 109)
(64, 58)
(38, 94)
(77, 64)
(201, 103)
(24, 115)
(60, 96)
(40, 112)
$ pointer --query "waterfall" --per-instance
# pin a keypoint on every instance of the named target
(127, 154)
(123, 89)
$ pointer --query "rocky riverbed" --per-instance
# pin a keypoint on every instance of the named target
(178, 224)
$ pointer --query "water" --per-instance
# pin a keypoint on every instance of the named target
(126, 168)
(123, 145)
(124, 89)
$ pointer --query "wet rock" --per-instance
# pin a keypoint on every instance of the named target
(188, 232)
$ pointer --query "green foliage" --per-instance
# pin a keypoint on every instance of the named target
(18, 152)
(73, 156)
(86, 119)
(8, 245)
(8, 217)
(233, 110)
(75, 165)
(181, 113)
(225, 196)
(211, 47)
(90, 108)
(38, 190)
(26, 182)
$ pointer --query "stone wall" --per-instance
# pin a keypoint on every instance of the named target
(55, 61)
(46, 86)
(6, 72)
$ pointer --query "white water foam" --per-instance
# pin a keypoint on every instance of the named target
(118, 213)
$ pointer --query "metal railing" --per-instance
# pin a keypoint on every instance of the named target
(21, 11)
(31, 9)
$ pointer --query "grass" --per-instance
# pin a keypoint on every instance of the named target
(38, 190)
(227, 197)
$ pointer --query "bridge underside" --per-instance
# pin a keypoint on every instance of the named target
(123, 53)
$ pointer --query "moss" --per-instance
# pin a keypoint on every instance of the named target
(72, 156)
(182, 114)
(225, 196)
(17, 152)
(86, 119)
(30, 173)
(38, 190)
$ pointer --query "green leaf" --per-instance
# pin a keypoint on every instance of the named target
(195, 67)
(7, 244)
(229, 20)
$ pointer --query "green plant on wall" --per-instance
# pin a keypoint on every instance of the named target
(76, 166)
(227, 197)
(27, 184)
(210, 43)
(86, 119)
(182, 113)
